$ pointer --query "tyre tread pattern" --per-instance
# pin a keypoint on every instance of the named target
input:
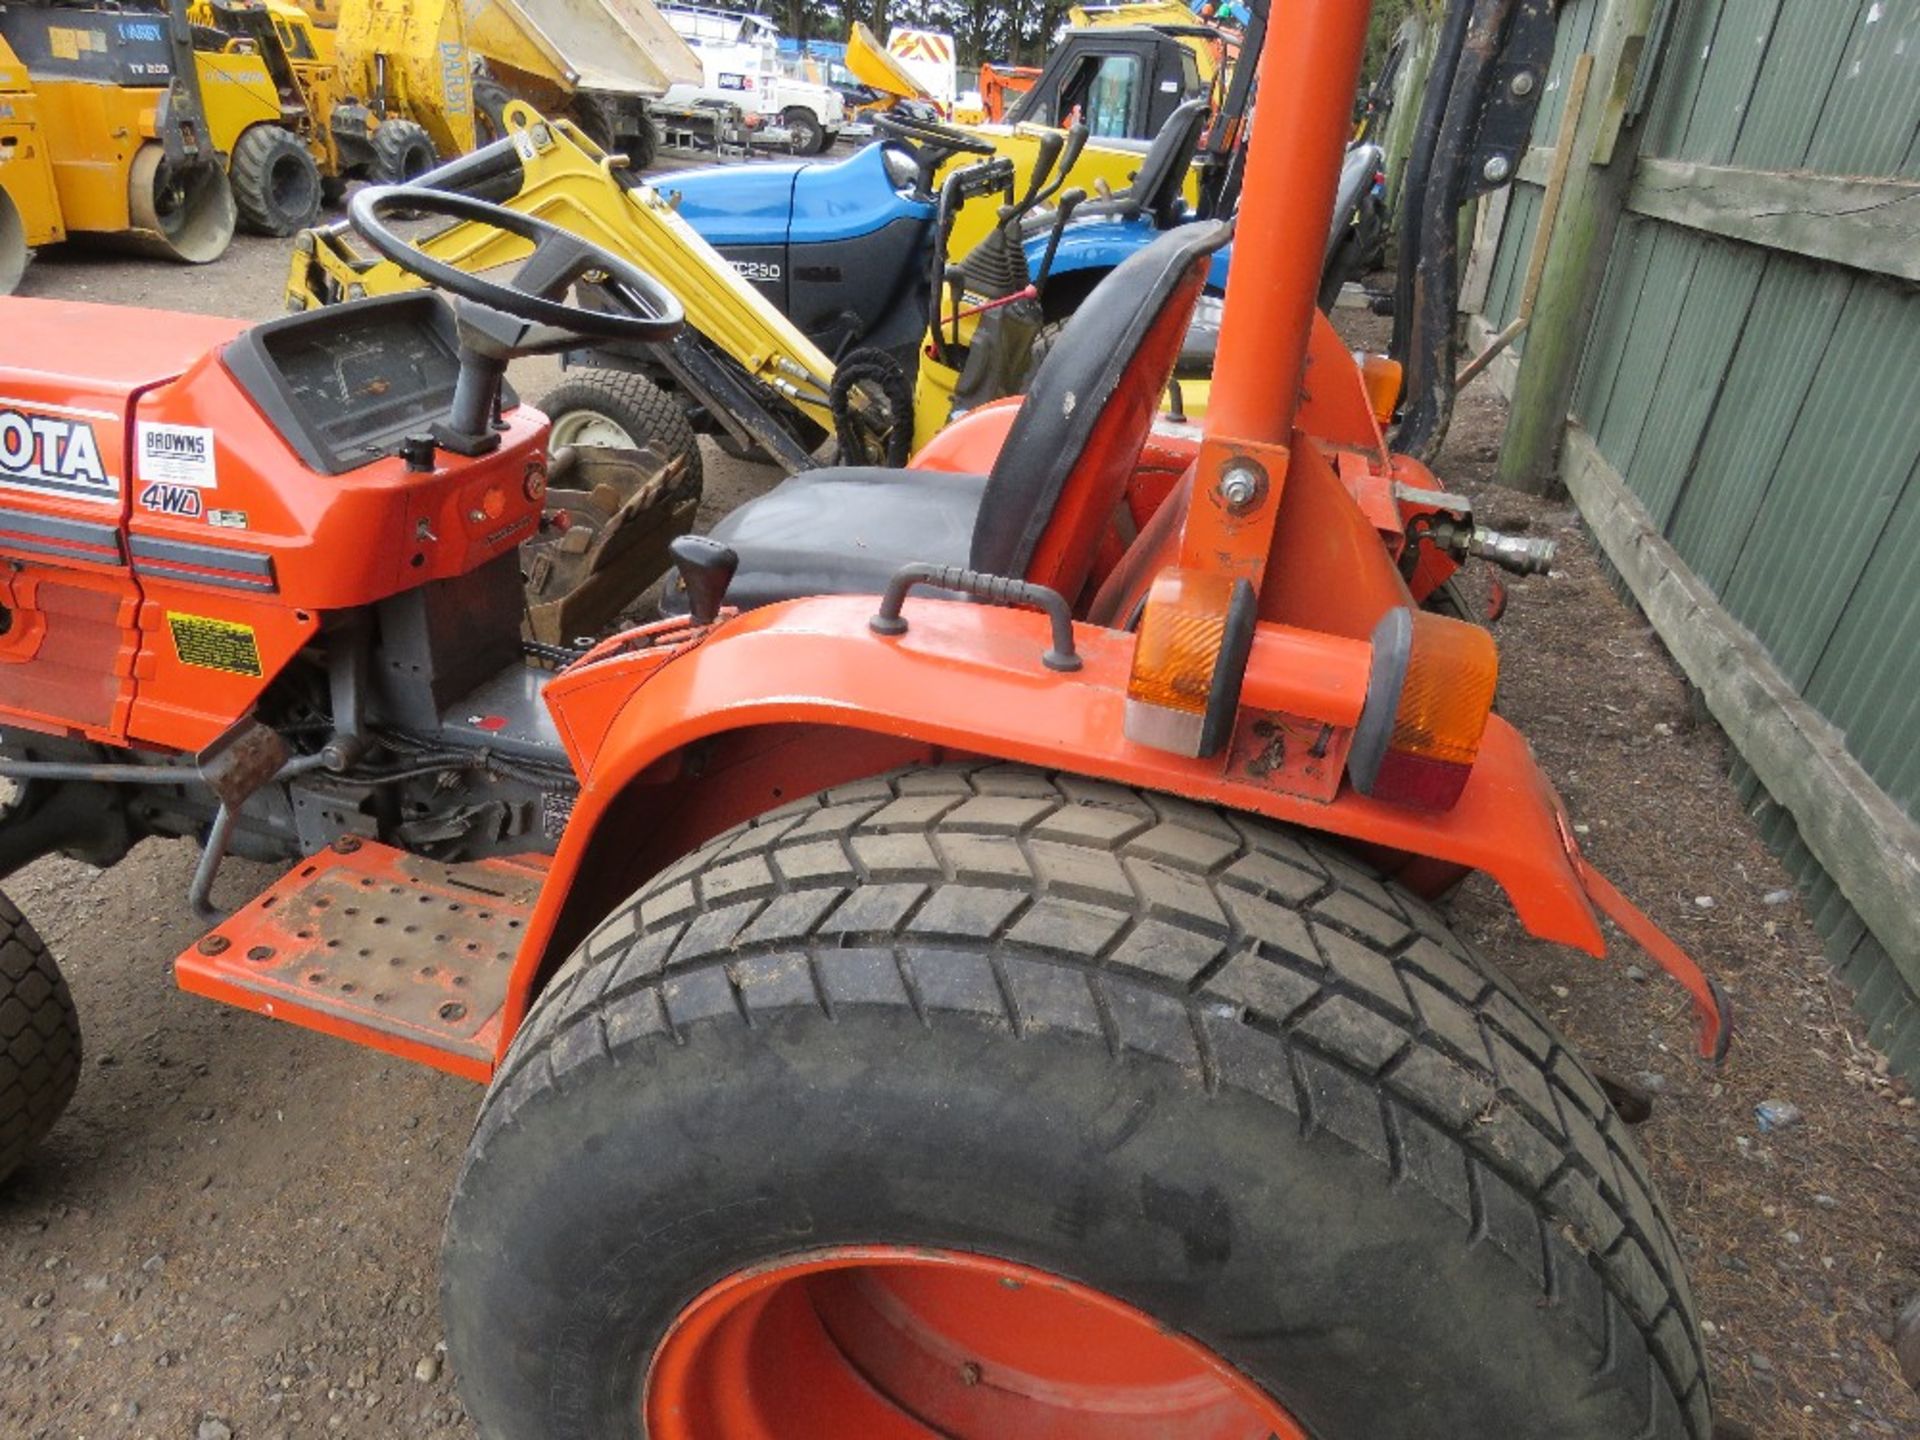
(1263, 960)
(39, 1039)
(402, 150)
(255, 155)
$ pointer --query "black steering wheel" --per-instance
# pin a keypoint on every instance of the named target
(931, 143)
(916, 131)
(648, 313)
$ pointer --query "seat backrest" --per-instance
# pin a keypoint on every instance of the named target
(1079, 433)
(1161, 180)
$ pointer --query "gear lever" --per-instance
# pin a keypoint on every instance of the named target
(706, 569)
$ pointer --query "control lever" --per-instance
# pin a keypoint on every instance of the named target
(1076, 142)
(706, 568)
(1048, 155)
(1069, 202)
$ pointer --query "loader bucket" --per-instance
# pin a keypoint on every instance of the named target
(13, 245)
(175, 213)
(871, 64)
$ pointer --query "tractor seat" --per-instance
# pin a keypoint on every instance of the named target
(1040, 512)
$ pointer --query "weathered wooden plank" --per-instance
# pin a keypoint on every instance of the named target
(1865, 224)
(1502, 368)
(1490, 218)
(1866, 842)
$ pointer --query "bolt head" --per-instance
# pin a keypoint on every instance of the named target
(1239, 486)
(213, 945)
(1497, 169)
(1522, 84)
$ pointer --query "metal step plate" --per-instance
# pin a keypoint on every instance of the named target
(380, 947)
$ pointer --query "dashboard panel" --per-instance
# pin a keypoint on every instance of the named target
(345, 384)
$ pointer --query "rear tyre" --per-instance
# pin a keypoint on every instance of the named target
(1208, 1067)
(402, 152)
(625, 409)
(809, 135)
(276, 184)
(39, 1040)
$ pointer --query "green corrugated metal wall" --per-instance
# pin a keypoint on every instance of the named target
(1765, 408)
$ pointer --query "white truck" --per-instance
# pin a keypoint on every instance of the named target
(739, 58)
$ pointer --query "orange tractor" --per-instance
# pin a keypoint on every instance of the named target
(974, 970)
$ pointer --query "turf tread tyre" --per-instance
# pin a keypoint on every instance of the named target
(402, 152)
(640, 407)
(39, 1040)
(1262, 960)
(276, 182)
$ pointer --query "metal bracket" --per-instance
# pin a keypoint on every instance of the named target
(1519, 79)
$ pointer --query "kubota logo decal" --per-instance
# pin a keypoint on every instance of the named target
(39, 451)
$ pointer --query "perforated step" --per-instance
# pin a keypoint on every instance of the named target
(380, 947)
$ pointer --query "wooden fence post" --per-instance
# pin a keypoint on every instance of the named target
(1604, 150)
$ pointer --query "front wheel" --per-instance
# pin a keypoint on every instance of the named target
(623, 410)
(979, 1102)
(277, 185)
(402, 152)
(809, 136)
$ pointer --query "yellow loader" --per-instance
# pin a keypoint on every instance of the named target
(740, 364)
(380, 92)
(742, 369)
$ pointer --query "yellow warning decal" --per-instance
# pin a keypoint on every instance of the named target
(211, 644)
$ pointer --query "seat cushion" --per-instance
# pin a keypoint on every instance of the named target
(844, 530)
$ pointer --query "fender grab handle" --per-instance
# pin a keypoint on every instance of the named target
(1713, 1014)
(994, 590)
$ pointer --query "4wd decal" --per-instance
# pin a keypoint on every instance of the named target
(165, 499)
(53, 452)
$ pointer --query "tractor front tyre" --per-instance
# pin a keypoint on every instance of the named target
(979, 1102)
(809, 136)
(624, 409)
(39, 1040)
(276, 182)
(402, 152)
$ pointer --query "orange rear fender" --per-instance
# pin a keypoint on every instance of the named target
(967, 680)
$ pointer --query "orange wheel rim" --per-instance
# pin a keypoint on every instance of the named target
(896, 1344)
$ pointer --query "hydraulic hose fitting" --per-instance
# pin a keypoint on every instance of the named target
(1521, 554)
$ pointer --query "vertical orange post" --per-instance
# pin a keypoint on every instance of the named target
(1309, 68)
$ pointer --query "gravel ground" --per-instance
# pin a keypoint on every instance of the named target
(233, 1230)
